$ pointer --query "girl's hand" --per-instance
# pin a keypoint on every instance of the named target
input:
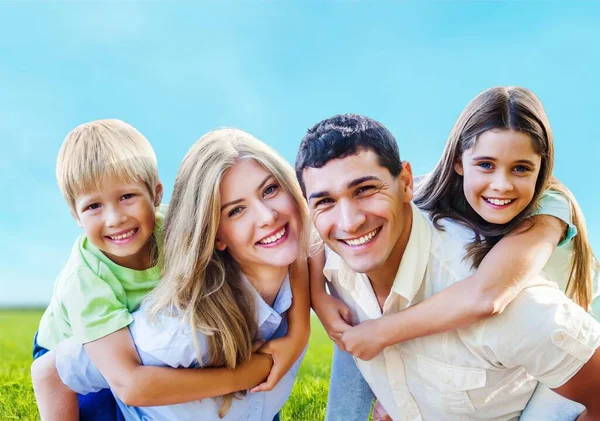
(364, 341)
(283, 352)
(380, 414)
(335, 317)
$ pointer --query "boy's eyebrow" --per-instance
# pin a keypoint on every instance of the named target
(233, 202)
(351, 184)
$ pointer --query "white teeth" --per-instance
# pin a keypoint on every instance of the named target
(362, 240)
(122, 236)
(273, 237)
(499, 202)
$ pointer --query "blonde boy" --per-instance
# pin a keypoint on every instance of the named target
(107, 172)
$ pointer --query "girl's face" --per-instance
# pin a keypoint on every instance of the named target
(260, 223)
(500, 172)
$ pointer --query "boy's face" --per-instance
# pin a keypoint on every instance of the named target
(119, 219)
(360, 209)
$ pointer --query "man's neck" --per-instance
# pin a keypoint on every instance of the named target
(383, 278)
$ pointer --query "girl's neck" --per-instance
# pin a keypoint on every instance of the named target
(266, 280)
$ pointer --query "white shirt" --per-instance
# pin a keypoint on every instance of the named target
(169, 343)
(486, 371)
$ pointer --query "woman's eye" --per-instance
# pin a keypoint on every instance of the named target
(271, 189)
(234, 211)
(485, 165)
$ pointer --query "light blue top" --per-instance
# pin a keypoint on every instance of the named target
(555, 204)
(168, 342)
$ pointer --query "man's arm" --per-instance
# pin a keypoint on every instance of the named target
(584, 388)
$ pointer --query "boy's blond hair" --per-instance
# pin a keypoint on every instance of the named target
(103, 148)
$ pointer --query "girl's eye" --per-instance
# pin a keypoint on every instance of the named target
(270, 189)
(127, 196)
(234, 211)
(485, 165)
(521, 168)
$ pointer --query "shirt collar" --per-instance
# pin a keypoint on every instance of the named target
(416, 255)
(282, 303)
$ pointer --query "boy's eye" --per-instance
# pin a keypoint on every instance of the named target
(485, 165)
(270, 189)
(127, 196)
(234, 211)
(93, 206)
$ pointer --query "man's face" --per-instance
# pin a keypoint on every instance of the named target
(359, 209)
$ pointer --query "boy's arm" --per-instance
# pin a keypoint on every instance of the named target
(56, 402)
(116, 358)
(500, 277)
(289, 348)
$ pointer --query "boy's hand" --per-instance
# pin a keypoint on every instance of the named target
(364, 340)
(335, 317)
(380, 414)
(283, 351)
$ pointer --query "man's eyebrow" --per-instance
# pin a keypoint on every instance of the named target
(260, 186)
(351, 184)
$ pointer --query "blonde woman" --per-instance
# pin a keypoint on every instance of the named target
(234, 231)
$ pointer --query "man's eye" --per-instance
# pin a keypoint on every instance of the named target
(323, 202)
(364, 189)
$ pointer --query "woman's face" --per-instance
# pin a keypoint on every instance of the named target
(260, 223)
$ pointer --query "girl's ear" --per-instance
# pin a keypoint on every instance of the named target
(220, 245)
(459, 168)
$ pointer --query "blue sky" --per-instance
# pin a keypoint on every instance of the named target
(175, 70)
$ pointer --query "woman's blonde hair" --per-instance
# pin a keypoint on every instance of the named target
(95, 150)
(441, 193)
(199, 282)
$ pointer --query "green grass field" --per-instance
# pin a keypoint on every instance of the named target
(307, 402)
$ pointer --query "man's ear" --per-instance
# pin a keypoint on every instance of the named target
(220, 245)
(158, 194)
(459, 168)
(407, 179)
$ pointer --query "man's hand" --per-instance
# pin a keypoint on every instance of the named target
(335, 317)
(364, 340)
(380, 414)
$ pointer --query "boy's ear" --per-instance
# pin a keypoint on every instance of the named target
(158, 194)
(459, 168)
(220, 245)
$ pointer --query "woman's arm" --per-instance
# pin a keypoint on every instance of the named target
(116, 358)
(501, 275)
(287, 349)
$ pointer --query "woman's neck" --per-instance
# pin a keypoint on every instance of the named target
(266, 280)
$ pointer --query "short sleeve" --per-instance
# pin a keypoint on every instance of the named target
(555, 204)
(76, 369)
(94, 310)
(544, 332)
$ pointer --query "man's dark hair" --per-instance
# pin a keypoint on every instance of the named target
(344, 135)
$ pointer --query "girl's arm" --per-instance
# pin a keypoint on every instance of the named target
(116, 358)
(287, 349)
(501, 275)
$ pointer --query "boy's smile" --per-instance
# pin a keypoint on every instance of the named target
(119, 220)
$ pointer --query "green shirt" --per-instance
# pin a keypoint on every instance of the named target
(93, 296)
